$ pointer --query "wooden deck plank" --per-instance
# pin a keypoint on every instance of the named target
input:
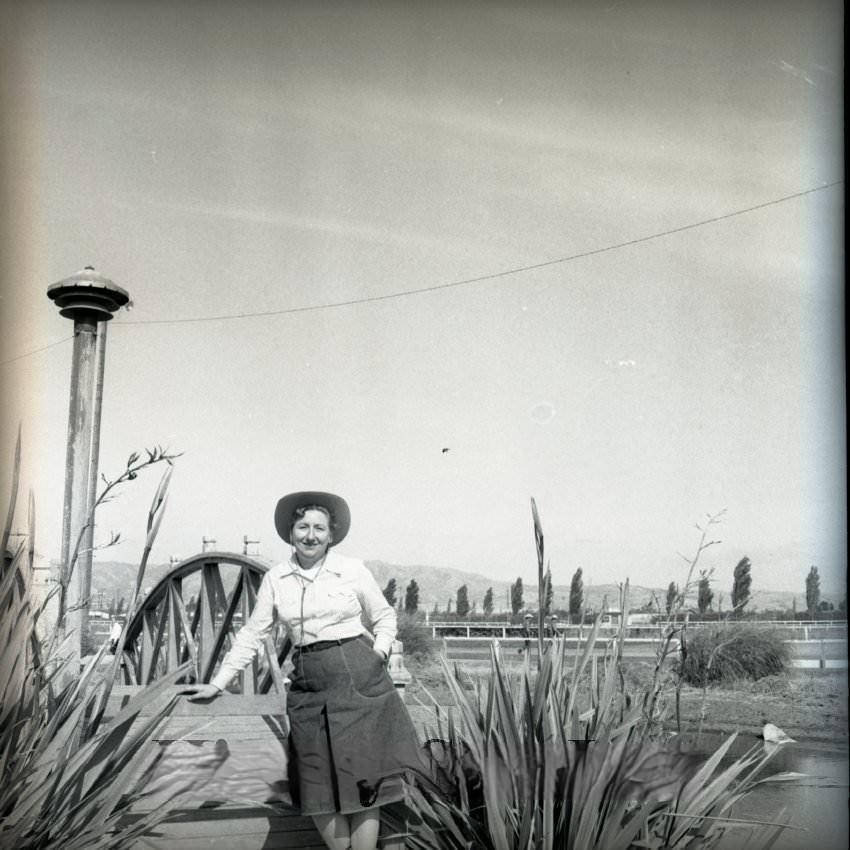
(234, 822)
(275, 818)
(237, 705)
(212, 728)
(262, 840)
(232, 827)
(236, 828)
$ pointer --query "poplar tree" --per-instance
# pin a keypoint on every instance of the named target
(517, 602)
(672, 593)
(488, 602)
(812, 591)
(390, 592)
(411, 597)
(576, 595)
(704, 595)
(548, 593)
(462, 603)
(741, 581)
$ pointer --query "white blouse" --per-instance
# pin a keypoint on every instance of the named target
(314, 605)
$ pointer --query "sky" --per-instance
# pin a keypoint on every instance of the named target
(594, 250)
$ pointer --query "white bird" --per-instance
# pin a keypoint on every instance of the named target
(774, 735)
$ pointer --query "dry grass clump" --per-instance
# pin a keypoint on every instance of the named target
(731, 652)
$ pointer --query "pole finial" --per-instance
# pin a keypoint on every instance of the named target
(87, 292)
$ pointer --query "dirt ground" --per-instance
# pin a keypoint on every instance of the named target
(808, 705)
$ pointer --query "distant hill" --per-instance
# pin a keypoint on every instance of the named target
(437, 585)
(114, 579)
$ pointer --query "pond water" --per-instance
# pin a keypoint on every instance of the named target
(815, 803)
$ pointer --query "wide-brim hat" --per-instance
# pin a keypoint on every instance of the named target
(336, 505)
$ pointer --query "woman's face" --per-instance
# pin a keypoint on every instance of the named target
(311, 536)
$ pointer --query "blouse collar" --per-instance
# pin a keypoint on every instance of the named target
(291, 567)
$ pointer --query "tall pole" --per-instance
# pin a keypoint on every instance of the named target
(84, 565)
(77, 464)
(89, 299)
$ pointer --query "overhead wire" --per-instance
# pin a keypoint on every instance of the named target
(406, 293)
(36, 350)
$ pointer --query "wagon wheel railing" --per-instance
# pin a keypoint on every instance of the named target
(164, 632)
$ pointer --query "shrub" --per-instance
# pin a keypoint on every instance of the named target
(726, 653)
(415, 636)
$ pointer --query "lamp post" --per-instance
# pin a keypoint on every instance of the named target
(89, 300)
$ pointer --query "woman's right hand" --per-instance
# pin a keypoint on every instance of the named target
(199, 692)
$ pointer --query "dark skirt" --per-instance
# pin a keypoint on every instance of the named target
(351, 739)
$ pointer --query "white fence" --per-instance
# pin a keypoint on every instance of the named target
(795, 630)
(821, 653)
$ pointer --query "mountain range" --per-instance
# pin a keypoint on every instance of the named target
(438, 585)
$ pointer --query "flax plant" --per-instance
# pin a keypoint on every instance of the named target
(557, 758)
(69, 776)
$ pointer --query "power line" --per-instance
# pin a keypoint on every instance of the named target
(457, 283)
(485, 277)
(37, 350)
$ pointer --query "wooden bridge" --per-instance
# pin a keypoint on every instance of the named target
(233, 748)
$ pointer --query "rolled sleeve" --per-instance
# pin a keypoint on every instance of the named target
(378, 611)
(249, 639)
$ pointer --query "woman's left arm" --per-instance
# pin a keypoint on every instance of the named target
(379, 612)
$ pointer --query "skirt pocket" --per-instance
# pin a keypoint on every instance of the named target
(369, 676)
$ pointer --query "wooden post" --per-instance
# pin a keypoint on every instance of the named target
(84, 565)
(77, 465)
(395, 667)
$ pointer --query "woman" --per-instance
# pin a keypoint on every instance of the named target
(350, 737)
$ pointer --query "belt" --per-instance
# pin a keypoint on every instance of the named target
(325, 644)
